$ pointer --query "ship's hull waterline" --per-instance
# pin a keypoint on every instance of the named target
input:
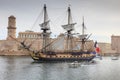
(61, 59)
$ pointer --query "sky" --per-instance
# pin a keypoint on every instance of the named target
(102, 17)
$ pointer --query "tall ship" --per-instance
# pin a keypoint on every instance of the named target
(68, 47)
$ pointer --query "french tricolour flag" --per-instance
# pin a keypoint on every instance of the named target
(97, 49)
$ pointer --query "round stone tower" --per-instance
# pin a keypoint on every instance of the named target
(11, 28)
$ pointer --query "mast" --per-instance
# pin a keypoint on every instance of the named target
(45, 13)
(69, 36)
(69, 15)
(45, 27)
(69, 32)
(83, 34)
(69, 27)
(83, 26)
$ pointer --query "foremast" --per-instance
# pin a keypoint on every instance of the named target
(45, 28)
(69, 27)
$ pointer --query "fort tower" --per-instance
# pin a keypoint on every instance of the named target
(11, 27)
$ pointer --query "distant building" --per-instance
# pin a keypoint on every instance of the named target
(105, 49)
(115, 43)
(30, 35)
(12, 46)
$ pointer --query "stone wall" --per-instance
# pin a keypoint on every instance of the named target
(12, 47)
(115, 43)
(105, 49)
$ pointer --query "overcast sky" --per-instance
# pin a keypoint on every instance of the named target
(102, 17)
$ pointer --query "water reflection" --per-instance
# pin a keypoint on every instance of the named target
(23, 68)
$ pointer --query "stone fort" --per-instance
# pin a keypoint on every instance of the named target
(11, 46)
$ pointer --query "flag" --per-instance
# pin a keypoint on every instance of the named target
(97, 49)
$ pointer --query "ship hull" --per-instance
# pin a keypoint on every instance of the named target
(41, 59)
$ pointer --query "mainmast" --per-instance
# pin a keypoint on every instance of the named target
(69, 28)
(45, 13)
(69, 15)
(45, 27)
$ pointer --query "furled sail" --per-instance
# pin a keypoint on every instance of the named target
(83, 36)
(69, 27)
(45, 25)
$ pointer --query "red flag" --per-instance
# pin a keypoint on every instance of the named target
(97, 49)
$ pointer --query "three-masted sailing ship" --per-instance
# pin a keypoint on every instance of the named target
(50, 53)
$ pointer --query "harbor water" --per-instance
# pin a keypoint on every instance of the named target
(24, 68)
